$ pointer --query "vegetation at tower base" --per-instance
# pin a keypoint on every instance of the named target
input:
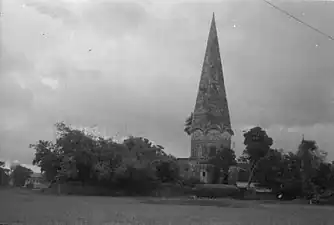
(304, 173)
(257, 144)
(19, 175)
(311, 159)
(87, 163)
(222, 159)
(276, 168)
(4, 174)
(188, 123)
(135, 166)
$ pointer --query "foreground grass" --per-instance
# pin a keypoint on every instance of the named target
(24, 206)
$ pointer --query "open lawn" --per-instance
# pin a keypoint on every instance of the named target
(36, 208)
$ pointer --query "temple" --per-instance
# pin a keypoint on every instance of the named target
(211, 125)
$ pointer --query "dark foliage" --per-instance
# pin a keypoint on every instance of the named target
(20, 174)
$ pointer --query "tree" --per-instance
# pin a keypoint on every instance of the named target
(188, 123)
(78, 145)
(324, 177)
(4, 176)
(82, 155)
(107, 158)
(136, 180)
(277, 169)
(167, 171)
(310, 161)
(257, 144)
(142, 151)
(93, 157)
(20, 174)
(222, 159)
(47, 157)
(144, 155)
(269, 170)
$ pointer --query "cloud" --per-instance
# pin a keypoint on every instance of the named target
(50, 82)
(13, 95)
(114, 19)
(285, 78)
(134, 67)
(54, 9)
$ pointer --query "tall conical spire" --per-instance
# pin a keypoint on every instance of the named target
(211, 113)
(213, 26)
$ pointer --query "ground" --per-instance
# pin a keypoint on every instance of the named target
(42, 209)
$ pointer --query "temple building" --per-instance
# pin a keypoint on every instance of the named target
(211, 125)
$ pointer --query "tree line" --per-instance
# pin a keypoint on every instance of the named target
(137, 166)
(17, 173)
(303, 172)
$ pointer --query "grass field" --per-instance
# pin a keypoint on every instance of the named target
(26, 207)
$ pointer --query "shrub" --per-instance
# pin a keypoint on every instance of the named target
(215, 190)
(137, 181)
(250, 194)
(191, 182)
(291, 190)
(30, 186)
(167, 171)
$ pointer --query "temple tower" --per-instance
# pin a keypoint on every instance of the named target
(211, 125)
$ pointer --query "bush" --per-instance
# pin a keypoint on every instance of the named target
(215, 190)
(30, 186)
(191, 182)
(137, 181)
(291, 190)
(167, 171)
(250, 194)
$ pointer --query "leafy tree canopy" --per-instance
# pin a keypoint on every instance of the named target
(20, 174)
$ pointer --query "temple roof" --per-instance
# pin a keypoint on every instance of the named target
(211, 104)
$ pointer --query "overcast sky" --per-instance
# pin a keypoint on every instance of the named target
(134, 68)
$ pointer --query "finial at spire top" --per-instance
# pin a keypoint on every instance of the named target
(213, 25)
(213, 17)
